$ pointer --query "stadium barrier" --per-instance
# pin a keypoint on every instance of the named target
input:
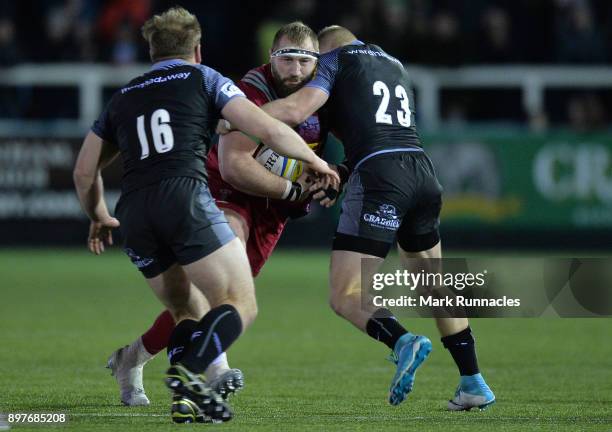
(501, 188)
(495, 186)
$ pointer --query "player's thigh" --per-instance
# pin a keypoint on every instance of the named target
(368, 220)
(426, 260)
(190, 221)
(224, 276)
(237, 223)
(348, 269)
(418, 234)
(204, 244)
(178, 294)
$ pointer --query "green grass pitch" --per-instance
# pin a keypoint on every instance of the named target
(63, 312)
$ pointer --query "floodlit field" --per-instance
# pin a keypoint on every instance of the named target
(63, 312)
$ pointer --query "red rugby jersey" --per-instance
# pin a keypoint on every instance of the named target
(258, 86)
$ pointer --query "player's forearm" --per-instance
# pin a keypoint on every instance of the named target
(90, 190)
(248, 176)
(284, 140)
(298, 106)
(247, 117)
(286, 111)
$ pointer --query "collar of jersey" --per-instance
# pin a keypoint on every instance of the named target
(165, 63)
(355, 42)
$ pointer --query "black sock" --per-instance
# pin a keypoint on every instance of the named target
(180, 339)
(461, 347)
(219, 328)
(384, 327)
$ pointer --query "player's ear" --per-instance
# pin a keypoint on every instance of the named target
(198, 53)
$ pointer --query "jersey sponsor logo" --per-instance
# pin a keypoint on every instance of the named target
(157, 80)
(271, 161)
(137, 260)
(374, 54)
(230, 90)
(385, 217)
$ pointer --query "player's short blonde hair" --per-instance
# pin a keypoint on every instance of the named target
(172, 34)
(297, 32)
(336, 36)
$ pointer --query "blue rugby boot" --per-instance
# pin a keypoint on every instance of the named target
(409, 353)
(473, 392)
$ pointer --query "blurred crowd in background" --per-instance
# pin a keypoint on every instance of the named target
(439, 33)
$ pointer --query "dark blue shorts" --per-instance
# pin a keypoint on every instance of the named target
(389, 196)
(173, 221)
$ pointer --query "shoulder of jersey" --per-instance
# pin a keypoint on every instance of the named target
(260, 78)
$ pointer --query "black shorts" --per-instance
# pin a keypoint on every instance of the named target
(390, 195)
(175, 220)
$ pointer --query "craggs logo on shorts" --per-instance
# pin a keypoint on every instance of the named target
(138, 261)
(386, 217)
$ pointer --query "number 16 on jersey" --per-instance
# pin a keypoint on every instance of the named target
(163, 139)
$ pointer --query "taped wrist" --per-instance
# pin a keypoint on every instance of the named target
(292, 192)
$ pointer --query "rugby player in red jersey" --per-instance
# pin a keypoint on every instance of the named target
(256, 203)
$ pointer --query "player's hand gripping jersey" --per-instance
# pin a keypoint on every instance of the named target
(265, 217)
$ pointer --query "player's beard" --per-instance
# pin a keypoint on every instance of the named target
(284, 87)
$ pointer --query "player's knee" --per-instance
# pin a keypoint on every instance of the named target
(338, 304)
(247, 309)
(250, 313)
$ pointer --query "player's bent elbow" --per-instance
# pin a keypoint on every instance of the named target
(295, 117)
(300, 117)
(230, 171)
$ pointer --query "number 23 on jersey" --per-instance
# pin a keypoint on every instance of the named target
(403, 115)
